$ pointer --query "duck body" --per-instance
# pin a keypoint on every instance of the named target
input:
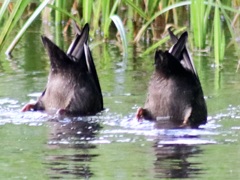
(73, 86)
(174, 90)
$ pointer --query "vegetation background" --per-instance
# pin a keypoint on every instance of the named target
(210, 22)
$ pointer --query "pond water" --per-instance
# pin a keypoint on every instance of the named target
(111, 145)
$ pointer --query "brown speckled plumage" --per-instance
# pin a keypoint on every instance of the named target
(174, 90)
(73, 84)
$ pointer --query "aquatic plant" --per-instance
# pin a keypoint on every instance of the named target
(13, 18)
(219, 37)
(199, 16)
(146, 17)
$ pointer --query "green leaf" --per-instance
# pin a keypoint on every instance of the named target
(64, 12)
(4, 7)
(15, 15)
(140, 12)
(107, 15)
(118, 23)
(217, 35)
(163, 40)
(26, 25)
(144, 27)
(58, 15)
(87, 10)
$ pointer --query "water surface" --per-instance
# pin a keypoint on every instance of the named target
(112, 145)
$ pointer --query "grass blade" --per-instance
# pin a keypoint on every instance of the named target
(58, 15)
(152, 6)
(96, 14)
(217, 35)
(65, 12)
(15, 15)
(107, 15)
(140, 12)
(118, 23)
(4, 7)
(144, 27)
(198, 24)
(163, 40)
(87, 10)
(26, 25)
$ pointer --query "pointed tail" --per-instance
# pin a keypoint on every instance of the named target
(75, 50)
(180, 51)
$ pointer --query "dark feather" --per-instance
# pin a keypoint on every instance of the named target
(184, 54)
(58, 58)
(92, 69)
(174, 90)
(73, 86)
(75, 50)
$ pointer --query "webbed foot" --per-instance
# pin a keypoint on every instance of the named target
(28, 107)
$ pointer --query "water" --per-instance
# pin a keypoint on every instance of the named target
(112, 145)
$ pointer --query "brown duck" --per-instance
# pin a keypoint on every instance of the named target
(174, 90)
(73, 87)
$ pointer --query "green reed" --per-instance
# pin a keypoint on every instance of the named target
(25, 26)
(158, 13)
(119, 24)
(87, 10)
(199, 14)
(58, 15)
(14, 17)
(219, 37)
(4, 7)
(97, 14)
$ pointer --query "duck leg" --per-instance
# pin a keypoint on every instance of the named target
(139, 114)
(186, 117)
(28, 107)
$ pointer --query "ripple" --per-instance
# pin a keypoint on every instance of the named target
(16, 117)
(186, 141)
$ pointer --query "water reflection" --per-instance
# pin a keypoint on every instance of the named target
(70, 148)
(173, 160)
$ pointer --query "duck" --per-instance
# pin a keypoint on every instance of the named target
(73, 87)
(174, 91)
